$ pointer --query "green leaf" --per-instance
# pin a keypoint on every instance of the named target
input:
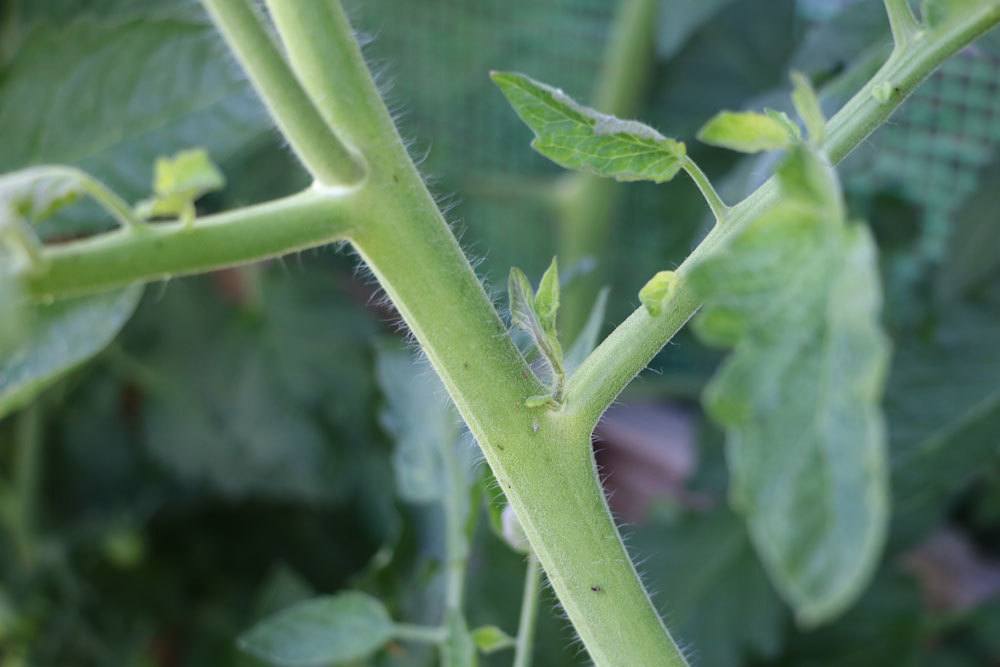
(586, 340)
(459, 650)
(747, 132)
(707, 563)
(321, 631)
(656, 290)
(580, 138)
(58, 338)
(179, 181)
(547, 298)
(490, 639)
(523, 315)
(420, 419)
(943, 406)
(37, 193)
(939, 12)
(12, 312)
(797, 295)
(239, 407)
(679, 19)
(808, 107)
(971, 258)
(169, 64)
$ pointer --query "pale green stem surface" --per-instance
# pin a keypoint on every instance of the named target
(902, 22)
(712, 198)
(420, 633)
(328, 160)
(27, 476)
(161, 250)
(455, 505)
(525, 646)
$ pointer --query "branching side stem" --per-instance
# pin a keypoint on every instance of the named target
(903, 23)
(712, 198)
(525, 643)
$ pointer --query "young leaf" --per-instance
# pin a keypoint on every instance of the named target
(747, 132)
(59, 337)
(525, 316)
(179, 181)
(419, 417)
(655, 292)
(322, 631)
(797, 295)
(490, 639)
(808, 107)
(547, 298)
(576, 137)
(39, 192)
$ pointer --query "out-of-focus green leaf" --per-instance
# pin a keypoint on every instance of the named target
(972, 257)
(12, 311)
(490, 639)
(884, 628)
(580, 138)
(36, 193)
(943, 406)
(419, 417)
(808, 107)
(321, 632)
(586, 340)
(59, 337)
(832, 45)
(138, 84)
(459, 650)
(547, 298)
(709, 575)
(241, 406)
(179, 180)
(679, 19)
(797, 295)
(747, 132)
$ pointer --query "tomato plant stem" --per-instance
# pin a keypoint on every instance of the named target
(524, 647)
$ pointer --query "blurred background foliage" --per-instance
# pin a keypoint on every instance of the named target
(225, 455)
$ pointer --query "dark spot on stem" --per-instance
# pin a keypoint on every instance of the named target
(597, 589)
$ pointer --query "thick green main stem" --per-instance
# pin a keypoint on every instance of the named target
(543, 463)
